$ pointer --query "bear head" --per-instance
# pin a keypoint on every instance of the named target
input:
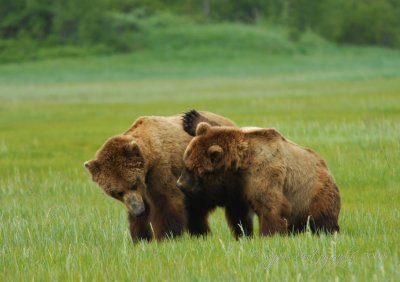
(210, 155)
(119, 170)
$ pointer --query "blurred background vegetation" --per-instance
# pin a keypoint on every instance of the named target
(75, 72)
(35, 29)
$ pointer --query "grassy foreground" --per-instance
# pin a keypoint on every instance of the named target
(54, 115)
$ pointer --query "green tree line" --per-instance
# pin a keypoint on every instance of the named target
(118, 23)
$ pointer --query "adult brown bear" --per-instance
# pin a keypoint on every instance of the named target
(284, 183)
(215, 193)
(140, 168)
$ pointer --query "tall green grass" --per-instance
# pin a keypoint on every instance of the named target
(54, 114)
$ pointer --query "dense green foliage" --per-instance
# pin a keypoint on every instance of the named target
(77, 27)
(56, 225)
(179, 36)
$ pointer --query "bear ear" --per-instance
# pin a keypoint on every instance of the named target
(132, 149)
(215, 153)
(92, 166)
(202, 128)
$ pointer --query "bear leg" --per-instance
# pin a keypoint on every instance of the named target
(168, 223)
(273, 210)
(272, 224)
(198, 221)
(324, 223)
(139, 228)
(324, 209)
(240, 219)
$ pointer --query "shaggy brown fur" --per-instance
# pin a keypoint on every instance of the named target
(140, 168)
(207, 193)
(214, 193)
(284, 184)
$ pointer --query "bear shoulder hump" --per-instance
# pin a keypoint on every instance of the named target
(268, 134)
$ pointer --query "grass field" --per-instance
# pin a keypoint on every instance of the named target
(55, 224)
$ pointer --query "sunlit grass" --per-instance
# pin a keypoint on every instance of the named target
(57, 225)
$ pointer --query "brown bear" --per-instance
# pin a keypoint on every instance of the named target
(285, 184)
(140, 167)
(216, 193)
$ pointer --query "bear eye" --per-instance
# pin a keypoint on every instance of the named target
(117, 195)
(134, 187)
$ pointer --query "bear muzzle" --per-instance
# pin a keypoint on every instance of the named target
(179, 184)
(134, 203)
(187, 188)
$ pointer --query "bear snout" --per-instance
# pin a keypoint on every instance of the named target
(139, 211)
(179, 184)
(134, 204)
(183, 186)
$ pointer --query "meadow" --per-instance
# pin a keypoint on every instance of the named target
(56, 225)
